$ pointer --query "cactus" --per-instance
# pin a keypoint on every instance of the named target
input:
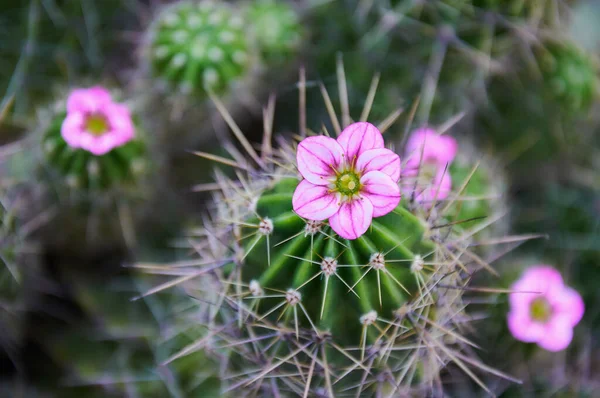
(86, 150)
(193, 50)
(85, 161)
(322, 314)
(87, 171)
(197, 45)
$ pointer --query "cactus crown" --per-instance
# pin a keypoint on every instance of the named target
(197, 45)
(320, 314)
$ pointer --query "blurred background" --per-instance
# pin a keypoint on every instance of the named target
(79, 247)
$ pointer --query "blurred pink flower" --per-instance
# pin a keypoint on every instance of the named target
(543, 310)
(348, 181)
(427, 155)
(95, 123)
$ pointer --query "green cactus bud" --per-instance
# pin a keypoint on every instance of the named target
(197, 45)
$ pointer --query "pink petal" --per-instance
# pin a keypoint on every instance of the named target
(87, 99)
(314, 202)
(119, 119)
(317, 158)
(523, 328)
(358, 138)
(522, 294)
(381, 191)
(353, 219)
(569, 304)
(382, 160)
(545, 279)
(558, 334)
(71, 129)
(436, 148)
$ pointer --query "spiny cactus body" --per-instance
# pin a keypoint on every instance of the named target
(305, 311)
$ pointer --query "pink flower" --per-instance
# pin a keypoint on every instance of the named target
(543, 310)
(95, 123)
(428, 154)
(348, 181)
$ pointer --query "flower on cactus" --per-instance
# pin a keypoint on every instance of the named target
(95, 122)
(348, 181)
(428, 155)
(543, 310)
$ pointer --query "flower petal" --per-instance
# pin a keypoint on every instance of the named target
(558, 334)
(317, 158)
(436, 148)
(521, 295)
(545, 279)
(87, 99)
(523, 328)
(314, 202)
(71, 129)
(380, 159)
(568, 303)
(358, 138)
(353, 219)
(381, 191)
(119, 120)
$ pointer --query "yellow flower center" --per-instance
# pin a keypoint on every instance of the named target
(348, 183)
(540, 310)
(96, 124)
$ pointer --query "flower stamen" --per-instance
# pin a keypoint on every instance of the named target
(540, 310)
(96, 124)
